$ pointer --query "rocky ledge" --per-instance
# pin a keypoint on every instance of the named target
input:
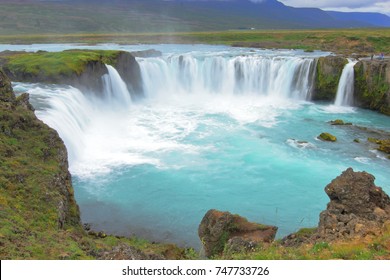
(371, 82)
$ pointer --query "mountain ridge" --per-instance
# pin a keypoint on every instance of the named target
(135, 16)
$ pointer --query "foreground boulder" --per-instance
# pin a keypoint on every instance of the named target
(219, 230)
(357, 207)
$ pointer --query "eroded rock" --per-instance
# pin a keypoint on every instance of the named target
(357, 207)
(220, 229)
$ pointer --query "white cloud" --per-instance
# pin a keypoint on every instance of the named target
(381, 6)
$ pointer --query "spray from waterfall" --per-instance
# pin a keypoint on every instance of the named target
(344, 96)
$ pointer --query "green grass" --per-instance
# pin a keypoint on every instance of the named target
(59, 64)
(344, 41)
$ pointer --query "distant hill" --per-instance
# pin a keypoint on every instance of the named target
(129, 16)
(374, 19)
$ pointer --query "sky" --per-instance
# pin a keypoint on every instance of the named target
(381, 6)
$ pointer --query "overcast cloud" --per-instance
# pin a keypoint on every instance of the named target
(381, 6)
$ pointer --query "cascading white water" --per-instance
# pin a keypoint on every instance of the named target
(115, 89)
(279, 77)
(344, 96)
(72, 113)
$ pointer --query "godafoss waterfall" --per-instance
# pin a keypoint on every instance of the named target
(232, 129)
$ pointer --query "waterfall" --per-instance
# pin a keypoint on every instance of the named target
(115, 89)
(344, 96)
(71, 112)
(106, 130)
(279, 77)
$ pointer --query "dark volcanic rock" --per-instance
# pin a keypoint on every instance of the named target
(220, 230)
(129, 70)
(357, 207)
(90, 79)
(328, 75)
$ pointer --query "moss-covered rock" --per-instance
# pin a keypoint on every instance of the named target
(384, 144)
(36, 197)
(221, 231)
(80, 68)
(372, 85)
(325, 136)
(327, 78)
(339, 122)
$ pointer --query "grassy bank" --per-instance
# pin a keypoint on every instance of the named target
(361, 41)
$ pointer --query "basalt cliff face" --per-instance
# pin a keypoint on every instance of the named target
(328, 73)
(371, 82)
(372, 85)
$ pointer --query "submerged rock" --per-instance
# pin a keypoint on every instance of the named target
(357, 207)
(327, 137)
(339, 122)
(384, 145)
(222, 230)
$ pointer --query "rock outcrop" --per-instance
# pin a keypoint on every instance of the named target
(82, 69)
(221, 231)
(326, 136)
(372, 85)
(327, 78)
(43, 145)
(371, 82)
(357, 207)
(129, 70)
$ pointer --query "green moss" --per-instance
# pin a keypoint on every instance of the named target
(339, 122)
(327, 137)
(371, 87)
(54, 66)
(305, 231)
(328, 75)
